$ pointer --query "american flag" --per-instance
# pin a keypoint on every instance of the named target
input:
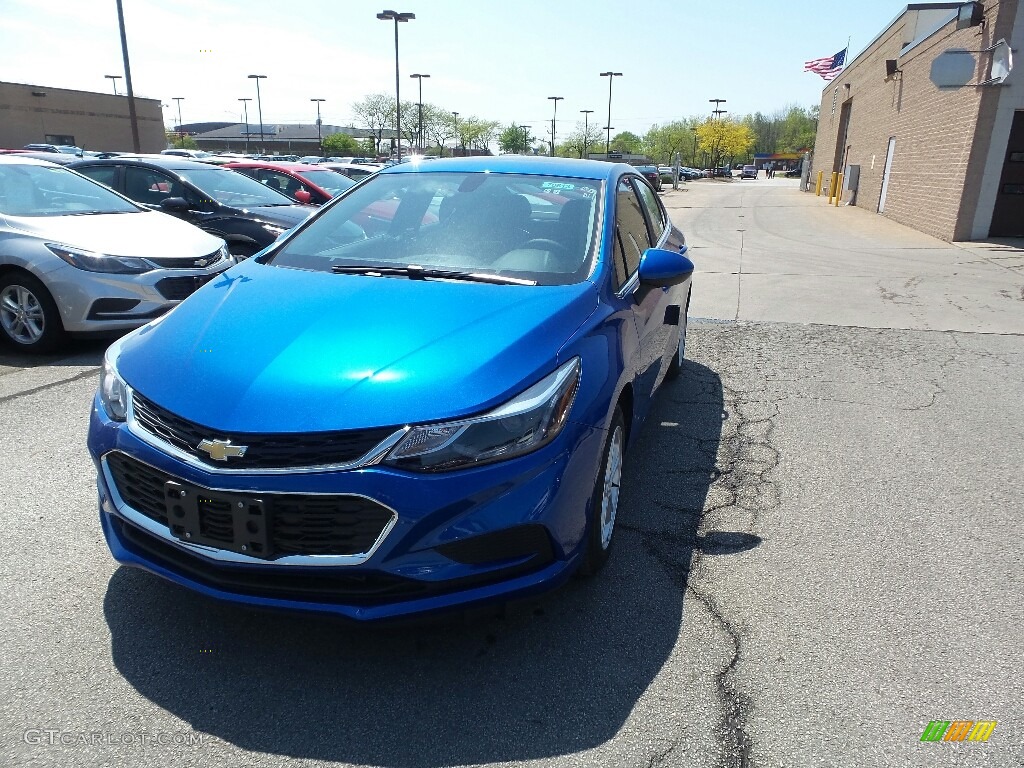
(828, 67)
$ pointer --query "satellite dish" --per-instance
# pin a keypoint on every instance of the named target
(953, 68)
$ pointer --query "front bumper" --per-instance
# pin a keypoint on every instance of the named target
(99, 301)
(458, 540)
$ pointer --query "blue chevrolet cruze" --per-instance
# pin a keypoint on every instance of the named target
(418, 400)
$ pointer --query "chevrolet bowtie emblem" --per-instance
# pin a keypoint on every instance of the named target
(220, 450)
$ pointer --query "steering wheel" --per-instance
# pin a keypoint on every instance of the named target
(544, 244)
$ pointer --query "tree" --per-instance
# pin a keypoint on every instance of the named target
(180, 140)
(438, 125)
(513, 139)
(580, 143)
(724, 138)
(342, 145)
(376, 113)
(628, 143)
(662, 142)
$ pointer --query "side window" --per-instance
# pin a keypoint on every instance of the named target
(655, 213)
(104, 174)
(630, 227)
(150, 187)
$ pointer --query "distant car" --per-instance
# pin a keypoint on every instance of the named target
(194, 154)
(354, 171)
(650, 173)
(301, 182)
(794, 173)
(667, 174)
(748, 172)
(76, 257)
(60, 158)
(247, 214)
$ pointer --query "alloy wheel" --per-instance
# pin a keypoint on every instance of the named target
(610, 491)
(21, 314)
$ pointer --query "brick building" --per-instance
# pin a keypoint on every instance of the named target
(35, 114)
(945, 159)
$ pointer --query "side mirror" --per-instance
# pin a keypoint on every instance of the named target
(174, 205)
(303, 196)
(660, 268)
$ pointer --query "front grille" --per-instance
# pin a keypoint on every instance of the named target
(183, 262)
(281, 450)
(178, 288)
(261, 525)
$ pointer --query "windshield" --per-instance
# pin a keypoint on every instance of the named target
(234, 189)
(330, 181)
(538, 228)
(39, 190)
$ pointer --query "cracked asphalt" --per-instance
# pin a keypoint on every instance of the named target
(818, 553)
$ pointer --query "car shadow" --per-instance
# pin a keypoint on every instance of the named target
(551, 676)
(75, 352)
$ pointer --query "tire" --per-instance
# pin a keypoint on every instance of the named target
(29, 318)
(605, 501)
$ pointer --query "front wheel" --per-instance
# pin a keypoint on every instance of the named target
(676, 366)
(604, 505)
(29, 317)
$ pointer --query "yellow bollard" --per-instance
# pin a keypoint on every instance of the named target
(831, 187)
(818, 190)
(839, 188)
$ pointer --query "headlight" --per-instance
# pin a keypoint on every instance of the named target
(100, 262)
(113, 392)
(273, 229)
(523, 424)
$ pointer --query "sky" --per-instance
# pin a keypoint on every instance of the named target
(493, 60)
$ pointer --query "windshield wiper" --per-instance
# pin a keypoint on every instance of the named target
(416, 272)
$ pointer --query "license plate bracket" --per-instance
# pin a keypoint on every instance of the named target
(227, 521)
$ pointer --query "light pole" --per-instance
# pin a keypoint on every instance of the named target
(608, 141)
(259, 108)
(397, 17)
(526, 138)
(132, 117)
(113, 79)
(420, 131)
(181, 133)
(245, 105)
(555, 99)
(456, 116)
(717, 112)
(586, 128)
(319, 138)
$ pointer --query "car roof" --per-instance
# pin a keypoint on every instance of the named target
(26, 160)
(531, 165)
(275, 166)
(167, 162)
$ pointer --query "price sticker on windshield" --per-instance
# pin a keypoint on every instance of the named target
(557, 185)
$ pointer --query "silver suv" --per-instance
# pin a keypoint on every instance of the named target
(77, 257)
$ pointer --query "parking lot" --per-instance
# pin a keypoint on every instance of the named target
(818, 551)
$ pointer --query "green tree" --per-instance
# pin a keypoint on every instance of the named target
(376, 113)
(180, 140)
(724, 138)
(627, 142)
(342, 145)
(662, 142)
(580, 143)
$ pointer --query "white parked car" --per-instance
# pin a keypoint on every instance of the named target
(77, 257)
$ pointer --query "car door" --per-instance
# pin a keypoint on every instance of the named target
(632, 238)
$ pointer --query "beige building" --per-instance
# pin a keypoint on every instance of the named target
(36, 114)
(928, 126)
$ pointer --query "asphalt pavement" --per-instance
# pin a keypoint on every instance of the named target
(818, 552)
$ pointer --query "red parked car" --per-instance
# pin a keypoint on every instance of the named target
(302, 183)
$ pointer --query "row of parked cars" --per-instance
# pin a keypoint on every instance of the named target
(77, 258)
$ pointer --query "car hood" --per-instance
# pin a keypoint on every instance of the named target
(148, 234)
(286, 216)
(270, 349)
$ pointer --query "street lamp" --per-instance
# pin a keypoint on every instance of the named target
(113, 79)
(586, 128)
(456, 116)
(420, 131)
(397, 17)
(245, 105)
(181, 133)
(319, 139)
(259, 108)
(717, 113)
(716, 102)
(132, 116)
(555, 99)
(608, 141)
